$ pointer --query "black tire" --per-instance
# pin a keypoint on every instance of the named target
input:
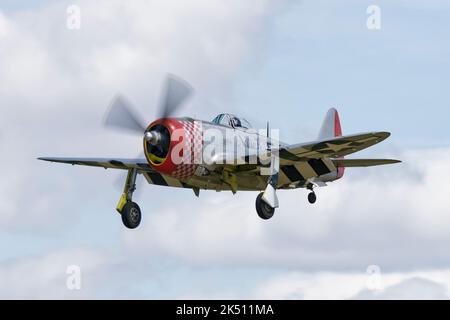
(312, 198)
(264, 211)
(131, 215)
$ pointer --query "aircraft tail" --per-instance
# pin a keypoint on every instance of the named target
(331, 128)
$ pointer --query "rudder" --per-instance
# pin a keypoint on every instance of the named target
(331, 126)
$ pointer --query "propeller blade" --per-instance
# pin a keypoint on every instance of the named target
(121, 115)
(176, 91)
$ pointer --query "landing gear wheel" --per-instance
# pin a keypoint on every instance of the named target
(264, 211)
(312, 198)
(131, 215)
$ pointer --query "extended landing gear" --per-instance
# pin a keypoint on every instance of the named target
(131, 215)
(264, 211)
(312, 198)
(129, 210)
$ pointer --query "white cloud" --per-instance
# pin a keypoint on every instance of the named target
(56, 83)
(296, 285)
(395, 217)
(408, 289)
(352, 285)
(44, 277)
(54, 87)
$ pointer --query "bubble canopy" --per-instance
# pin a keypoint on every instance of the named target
(229, 120)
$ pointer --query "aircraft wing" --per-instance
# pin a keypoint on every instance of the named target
(355, 163)
(124, 164)
(331, 148)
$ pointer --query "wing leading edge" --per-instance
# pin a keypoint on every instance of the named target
(141, 165)
(124, 164)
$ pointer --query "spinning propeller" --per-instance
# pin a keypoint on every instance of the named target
(121, 114)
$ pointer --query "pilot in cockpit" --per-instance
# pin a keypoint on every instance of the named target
(230, 120)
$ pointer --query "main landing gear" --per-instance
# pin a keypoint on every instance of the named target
(264, 211)
(129, 210)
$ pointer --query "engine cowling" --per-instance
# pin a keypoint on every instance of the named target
(178, 151)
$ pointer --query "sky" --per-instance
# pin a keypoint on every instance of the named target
(379, 233)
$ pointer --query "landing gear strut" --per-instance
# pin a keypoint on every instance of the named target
(264, 211)
(312, 198)
(129, 210)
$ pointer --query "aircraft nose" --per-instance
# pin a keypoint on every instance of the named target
(152, 137)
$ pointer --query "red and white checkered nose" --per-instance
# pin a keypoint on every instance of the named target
(185, 151)
(189, 150)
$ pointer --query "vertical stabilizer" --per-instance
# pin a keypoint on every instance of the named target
(331, 128)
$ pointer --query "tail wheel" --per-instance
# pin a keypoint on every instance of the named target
(312, 198)
(264, 211)
(131, 215)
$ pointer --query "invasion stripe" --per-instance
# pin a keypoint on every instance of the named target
(185, 185)
(319, 166)
(329, 164)
(173, 182)
(292, 173)
(282, 178)
(305, 169)
(157, 179)
(284, 154)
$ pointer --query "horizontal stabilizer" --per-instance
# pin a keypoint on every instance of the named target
(355, 163)
(333, 147)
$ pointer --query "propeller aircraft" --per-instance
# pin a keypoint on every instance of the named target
(225, 154)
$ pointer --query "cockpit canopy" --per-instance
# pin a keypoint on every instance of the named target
(230, 120)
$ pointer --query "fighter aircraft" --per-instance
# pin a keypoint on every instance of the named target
(226, 154)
